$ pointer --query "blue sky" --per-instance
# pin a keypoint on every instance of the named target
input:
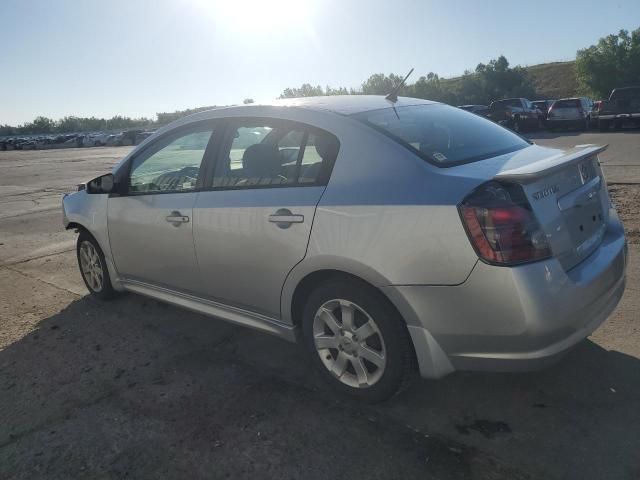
(136, 57)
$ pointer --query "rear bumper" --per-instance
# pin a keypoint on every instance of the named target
(510, 319)
(564, 122)
(619, 116)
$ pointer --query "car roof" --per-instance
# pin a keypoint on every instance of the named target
(344, 104)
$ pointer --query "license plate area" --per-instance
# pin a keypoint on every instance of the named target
(584, 221)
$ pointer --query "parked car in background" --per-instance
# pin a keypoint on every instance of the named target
(518, 114)
(570, 113)
(95, 139)
(378, 235)
(141, 136)
(128, 137)
(477, 109)
(543, 106)
(623, 106)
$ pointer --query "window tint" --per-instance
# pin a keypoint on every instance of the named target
(275, 155)
(567, 104)
(443, 135)
(173, 166)
(625, 93)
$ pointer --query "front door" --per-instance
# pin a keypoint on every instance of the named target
(151, 223)
(252, 225)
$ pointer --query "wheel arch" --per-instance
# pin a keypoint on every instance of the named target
(77, 227)
(113, 272)
(311, 271)
(432, 360)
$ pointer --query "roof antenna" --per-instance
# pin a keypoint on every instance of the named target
(393, 96)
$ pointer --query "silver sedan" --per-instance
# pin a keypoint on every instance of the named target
(383, 235)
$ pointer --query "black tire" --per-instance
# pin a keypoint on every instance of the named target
(517, 127)
(106, 291)
(399, 352)
(603, 125)
(617, 125)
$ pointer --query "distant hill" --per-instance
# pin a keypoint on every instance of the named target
(551, 80)
(554, 80)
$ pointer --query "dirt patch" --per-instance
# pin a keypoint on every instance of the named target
(626, 199)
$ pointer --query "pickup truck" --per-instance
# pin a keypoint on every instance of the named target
(515, 113)
(622, 107)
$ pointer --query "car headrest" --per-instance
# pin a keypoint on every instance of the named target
(261, 161)
(326, 146)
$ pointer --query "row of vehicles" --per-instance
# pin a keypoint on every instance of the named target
(520, 114)
(75, 140)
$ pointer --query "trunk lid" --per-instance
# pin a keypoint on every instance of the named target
(569, 197)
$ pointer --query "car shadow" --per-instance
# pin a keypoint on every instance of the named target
(577, 419)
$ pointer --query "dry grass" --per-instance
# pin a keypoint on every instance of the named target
(554, 80)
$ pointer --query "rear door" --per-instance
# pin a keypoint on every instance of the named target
(150, 224)
(252, 223)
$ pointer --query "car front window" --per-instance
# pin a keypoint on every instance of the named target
(174, 167)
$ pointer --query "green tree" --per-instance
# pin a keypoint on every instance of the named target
(500, 81)
(40, 125)
(431, 88)
(308, 90)
(381, 84)
(305, 90)
(613, 62)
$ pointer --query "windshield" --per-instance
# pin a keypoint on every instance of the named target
(625, 93)
(443, 135)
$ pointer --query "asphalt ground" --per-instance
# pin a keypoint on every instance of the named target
(136, 388)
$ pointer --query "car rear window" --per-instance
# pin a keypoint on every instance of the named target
(513, 102)
(444, 136)
(566, 104)
(626, 93)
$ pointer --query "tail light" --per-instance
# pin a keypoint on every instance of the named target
(501, 226)
(507, 113)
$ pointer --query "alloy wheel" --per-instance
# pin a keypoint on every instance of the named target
(91, 266)
(349, 343)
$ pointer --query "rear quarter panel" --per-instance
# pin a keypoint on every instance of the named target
(390, 217)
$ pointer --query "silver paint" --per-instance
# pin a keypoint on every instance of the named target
(386, 217)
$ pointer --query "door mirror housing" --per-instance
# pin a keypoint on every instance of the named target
(102, 184)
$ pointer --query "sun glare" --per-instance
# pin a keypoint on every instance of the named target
(250, 16)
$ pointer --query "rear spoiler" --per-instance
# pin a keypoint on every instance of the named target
(546, 166)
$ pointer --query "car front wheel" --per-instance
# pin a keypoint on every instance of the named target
(93, 267)
(357, 340)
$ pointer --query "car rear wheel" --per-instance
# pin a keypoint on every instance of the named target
(603, 125)
(357, 340)
(93, 267)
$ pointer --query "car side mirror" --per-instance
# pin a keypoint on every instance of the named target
(102, 184)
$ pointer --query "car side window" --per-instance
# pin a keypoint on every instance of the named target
(266, 154)
(171, 166)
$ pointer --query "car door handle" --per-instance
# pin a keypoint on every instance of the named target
(176, 218)
(284, 218)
